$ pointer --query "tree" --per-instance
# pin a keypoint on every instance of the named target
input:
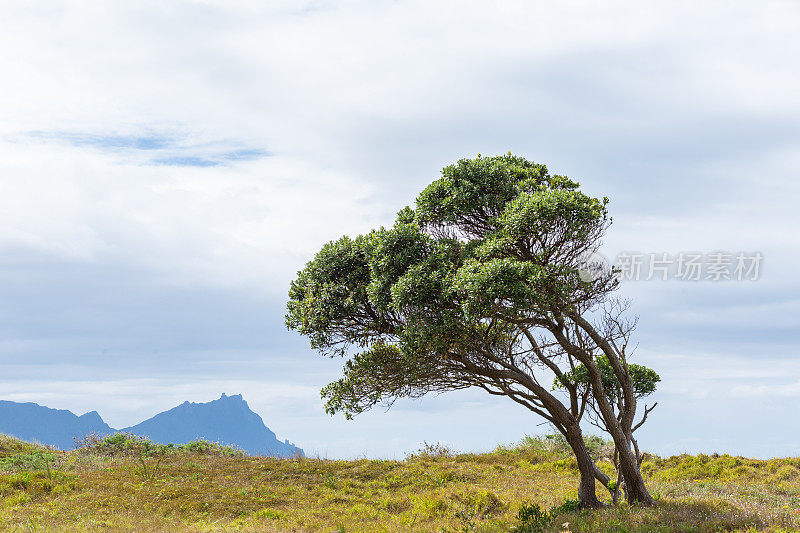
(480, 285)
(644, 382)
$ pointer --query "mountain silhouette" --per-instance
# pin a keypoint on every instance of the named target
(228, 420)
(56, 427)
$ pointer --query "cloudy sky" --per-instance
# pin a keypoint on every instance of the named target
(166, 167)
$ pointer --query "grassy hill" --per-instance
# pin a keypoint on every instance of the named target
(121, 483)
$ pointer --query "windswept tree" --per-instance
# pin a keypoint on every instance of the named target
(483, 285)
(643, 379)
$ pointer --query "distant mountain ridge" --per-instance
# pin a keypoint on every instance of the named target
(56, 427)
(228, 420)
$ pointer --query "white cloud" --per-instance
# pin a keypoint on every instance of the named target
(772, 389)
(684, 114)
(248, 223)
(310, 82)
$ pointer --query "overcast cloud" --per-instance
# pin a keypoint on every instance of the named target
(166, 167)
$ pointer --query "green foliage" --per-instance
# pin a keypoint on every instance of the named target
(720, 468)
(208, 447)
(483, 184)
(569, 506)
(29, 486)
(27, 461)
(533, 520)
(554, 447)
(330, 293)
(644, 379)
(492, 242)
(269, 513)
(128, 444)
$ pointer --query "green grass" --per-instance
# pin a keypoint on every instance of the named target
(130, 484)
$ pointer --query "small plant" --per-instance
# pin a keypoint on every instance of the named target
(330, 482)
(467, 519)
(28, 461)
(532, 519)
(149, 472)
(272, 514)
(569, 506)
(205, 447)
(47, 466)
(128, 444)
(434, 450)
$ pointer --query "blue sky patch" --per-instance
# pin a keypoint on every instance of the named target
(185, 161)
(170, 151)
(109, 142)
(245, 155)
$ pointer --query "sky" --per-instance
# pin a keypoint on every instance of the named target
(167, 167)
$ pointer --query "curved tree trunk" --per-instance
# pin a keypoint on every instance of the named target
(635, 488)
(621, 432)
(569, 426)
(629, 479)
(586, 489)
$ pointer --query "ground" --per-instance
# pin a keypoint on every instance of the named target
(132, 485)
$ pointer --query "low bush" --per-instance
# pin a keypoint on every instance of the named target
(128, 444)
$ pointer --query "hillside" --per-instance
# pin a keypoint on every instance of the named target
(57, 427)
(121, 484)
(228, 420)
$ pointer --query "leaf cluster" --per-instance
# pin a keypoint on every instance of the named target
(644, 379)
(435, 302)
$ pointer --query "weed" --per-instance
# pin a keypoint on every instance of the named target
(28, 461)
(434, 450)
(532, 519)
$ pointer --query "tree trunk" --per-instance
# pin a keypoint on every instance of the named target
(570, 427)
(586, 467)
(635, 488)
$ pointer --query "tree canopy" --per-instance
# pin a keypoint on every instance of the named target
(644, 379)
(432, 299)
(479, 285)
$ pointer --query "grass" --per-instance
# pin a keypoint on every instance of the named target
(130, 484)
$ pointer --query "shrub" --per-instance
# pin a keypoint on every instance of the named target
(532, 519)
(210, 448)
(555, 445)
(434, 450)
(120, 444)
(27, 461)
(128, 444)
(569, 506)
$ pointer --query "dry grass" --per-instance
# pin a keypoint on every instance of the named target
(211, 489)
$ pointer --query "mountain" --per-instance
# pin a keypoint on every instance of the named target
(56, 427)
(227, 420)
